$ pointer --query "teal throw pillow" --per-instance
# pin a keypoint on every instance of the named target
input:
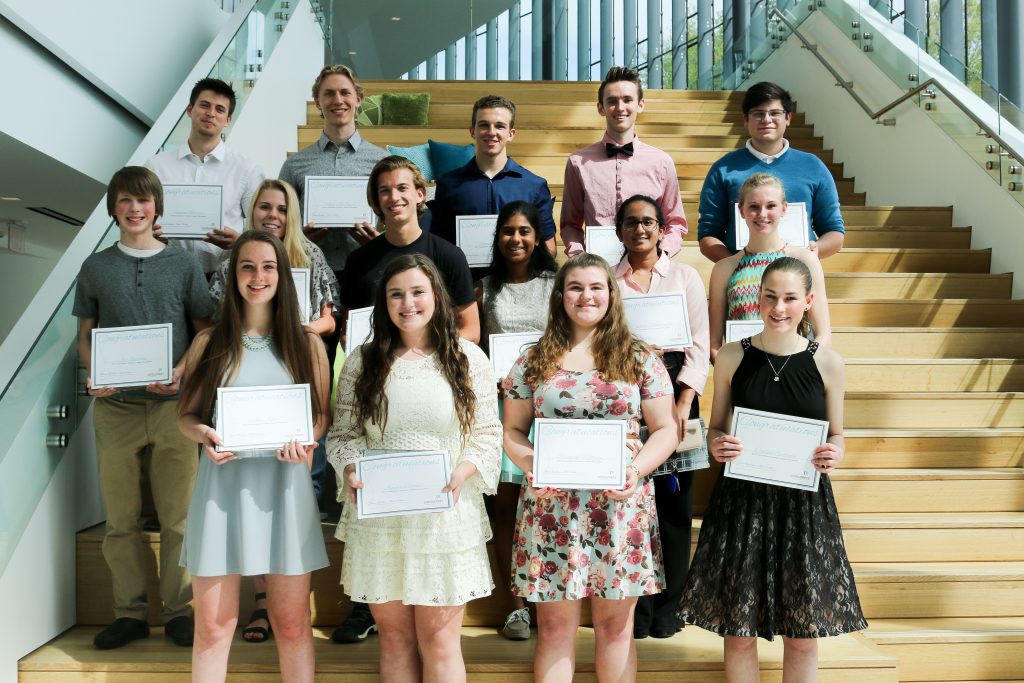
(419, 155)
(405, 109)
(445, 157)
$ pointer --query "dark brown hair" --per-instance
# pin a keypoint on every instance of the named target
(620, 73)
(217, 87)
(766, 91)
(138, 181)
(494, 102)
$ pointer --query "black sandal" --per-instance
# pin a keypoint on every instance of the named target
(258, 634)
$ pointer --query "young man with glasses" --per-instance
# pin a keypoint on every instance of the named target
(767, 112)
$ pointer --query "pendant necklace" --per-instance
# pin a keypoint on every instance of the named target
(772, 366)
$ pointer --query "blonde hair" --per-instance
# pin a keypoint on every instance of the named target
(294, 241)
(387, 165)
(336, 69)
(618, 355)
(759, 180)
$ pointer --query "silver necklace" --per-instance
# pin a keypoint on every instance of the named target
(772, 365)
(257, 343)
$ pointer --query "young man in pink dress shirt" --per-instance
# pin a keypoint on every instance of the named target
(600, 177)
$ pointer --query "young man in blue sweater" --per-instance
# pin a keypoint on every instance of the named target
(767, 112)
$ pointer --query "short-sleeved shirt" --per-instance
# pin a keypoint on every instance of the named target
(366, 265)
(355, 156)
(117, 290)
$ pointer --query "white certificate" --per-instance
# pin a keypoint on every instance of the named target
(191, 211)
(579, 454)
(403, 483)
(301, 277)
(336, 201)
(659, 319)
(792, 227)
(131, 356)
(777, 449)
(474, 235)
(263, 418)
(506, 348)
(359, 328)
(602, 241)
(741, 329)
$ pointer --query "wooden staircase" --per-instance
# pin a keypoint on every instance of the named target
(932, 489)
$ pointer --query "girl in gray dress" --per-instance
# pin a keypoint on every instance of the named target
(254, 512)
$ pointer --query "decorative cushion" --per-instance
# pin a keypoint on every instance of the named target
(419, 155)
(405, 109)
(370, 112)
(446, 157)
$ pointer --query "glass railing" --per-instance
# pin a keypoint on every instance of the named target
(43, 403)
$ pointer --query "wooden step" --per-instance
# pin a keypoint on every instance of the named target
(915, 285)
(926, 312)
(928, 342)
(692, 656)
(934, 410)
(911, 590)
(872, 260)
(954, 649)
(907, 236)
(934, 537)
(907, 448)
(908, 490)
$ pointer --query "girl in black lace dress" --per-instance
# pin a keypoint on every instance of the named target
(770, 560)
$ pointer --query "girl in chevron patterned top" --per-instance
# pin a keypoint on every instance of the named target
(735, 281)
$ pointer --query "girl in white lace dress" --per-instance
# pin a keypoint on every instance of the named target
(417, 386)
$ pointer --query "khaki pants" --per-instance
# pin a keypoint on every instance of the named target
(125, 429)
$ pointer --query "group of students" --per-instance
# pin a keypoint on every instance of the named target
(770, 560)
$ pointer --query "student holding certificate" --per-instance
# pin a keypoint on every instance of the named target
(253, 512)
(647, 269)
(734, 284)
(770, 559)
(417, 386)
(578, 543)
(514, 298)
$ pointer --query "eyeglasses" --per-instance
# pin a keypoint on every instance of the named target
(648, 224)
(761, 114)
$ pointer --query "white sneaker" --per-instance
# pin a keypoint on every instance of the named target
(517, 625)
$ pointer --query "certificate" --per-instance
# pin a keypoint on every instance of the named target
(602, 241)
(777, 449)
(474, 235)
(792, 227)
(131, 356)
(741, 329)
(506, 348)
(359, 328)
(579, 454)
(263, 418)
(191, 211)
(403, 483)
(336, 201)
(301, 277)
(659, 319)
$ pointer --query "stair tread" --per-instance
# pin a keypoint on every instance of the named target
(916, 474)
(871, 572)
(946, 629)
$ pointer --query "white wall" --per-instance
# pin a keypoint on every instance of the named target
(135, 52)
(911, 163)
(266, 130)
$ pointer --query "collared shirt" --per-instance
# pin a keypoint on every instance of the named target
(596, 184)
(355, 156)
(238, 175)
(668, 276)
(467, 191)
(767, 158)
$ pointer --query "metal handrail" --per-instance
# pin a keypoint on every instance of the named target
(874, 115)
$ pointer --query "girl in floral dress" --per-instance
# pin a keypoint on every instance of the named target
(576, 544)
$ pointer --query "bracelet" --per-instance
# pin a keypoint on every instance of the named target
(636, 470)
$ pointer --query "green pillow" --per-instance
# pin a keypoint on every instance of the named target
(370, 112)
(405, 109)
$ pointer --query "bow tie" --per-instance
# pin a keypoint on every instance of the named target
(612, 149)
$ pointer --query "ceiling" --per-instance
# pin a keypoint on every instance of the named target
(385, 48)
(40, 180)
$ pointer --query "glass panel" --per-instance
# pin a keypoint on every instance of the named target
(964, 131)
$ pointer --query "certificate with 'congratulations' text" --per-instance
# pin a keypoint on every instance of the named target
(506, 348)
(474, 235)
(191, 211)
(736, 330)
(777, 449)
(264, 417)
(602, 241)
(579, 454)
(659, 319)
(403, 483)
(131, 356)
(331, 201)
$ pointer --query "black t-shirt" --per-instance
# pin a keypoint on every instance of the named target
(366, 265)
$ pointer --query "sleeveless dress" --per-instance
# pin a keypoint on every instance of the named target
(770, 560)
(584, 544)
(517, 307)
(437, 558)
(745, 282)
(253, 515)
